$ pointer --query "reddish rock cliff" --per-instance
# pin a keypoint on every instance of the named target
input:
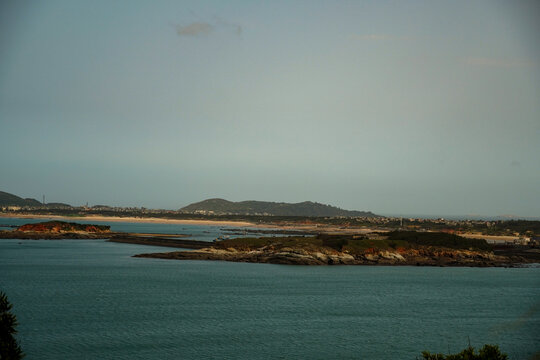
(61, 226)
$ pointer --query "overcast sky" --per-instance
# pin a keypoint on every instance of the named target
(401, 107)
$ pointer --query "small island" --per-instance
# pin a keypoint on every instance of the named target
(393, 248)
(57, 230)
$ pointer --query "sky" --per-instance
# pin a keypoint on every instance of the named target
(396, 107)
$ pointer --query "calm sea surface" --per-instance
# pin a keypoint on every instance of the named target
(89, 299)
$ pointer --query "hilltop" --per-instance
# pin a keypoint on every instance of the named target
(7, 199)
(306, 208)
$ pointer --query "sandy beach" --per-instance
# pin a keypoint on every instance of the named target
(299, 227)
(132, 220)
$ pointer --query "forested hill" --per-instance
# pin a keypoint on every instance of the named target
(7, 199)
(307, 208)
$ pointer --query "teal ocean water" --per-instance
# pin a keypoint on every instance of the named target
(205, 233)
(89, 299)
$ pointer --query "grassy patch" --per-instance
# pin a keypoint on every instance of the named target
(277, 242)
(358, 244)
(438, 239)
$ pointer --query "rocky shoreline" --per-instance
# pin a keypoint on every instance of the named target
(56, 230)
(394, 248)
(31, 235)
(324, 256)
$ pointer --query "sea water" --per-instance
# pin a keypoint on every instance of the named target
(199, 232)
(90, 299)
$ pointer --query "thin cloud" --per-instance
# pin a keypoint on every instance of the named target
(199, 29)
(494, 62)
(229, 26)
(195, 29)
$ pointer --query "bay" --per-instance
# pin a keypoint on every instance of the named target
(90, 299)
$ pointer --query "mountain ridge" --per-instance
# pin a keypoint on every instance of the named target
(7, 199)
(220, 206)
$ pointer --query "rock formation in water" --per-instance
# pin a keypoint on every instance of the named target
(63, 227)
(316, 251)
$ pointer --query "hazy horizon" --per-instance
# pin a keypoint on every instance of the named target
(386, 214)
(392, 107)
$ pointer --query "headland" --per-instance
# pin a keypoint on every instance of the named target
(295, 247)
(395, 248)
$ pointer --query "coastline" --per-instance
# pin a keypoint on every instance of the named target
(131, 219)
(426, 256)
(151, 220)
(395, 248)
(329, 229)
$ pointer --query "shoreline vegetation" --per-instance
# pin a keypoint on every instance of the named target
(487, 352)
(285, 246)
(395, 248)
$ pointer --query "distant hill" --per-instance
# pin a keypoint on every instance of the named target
(307, 208)
(58, 205)
(7, 199)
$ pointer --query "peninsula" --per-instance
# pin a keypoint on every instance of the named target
(394, 248)
(303, 248)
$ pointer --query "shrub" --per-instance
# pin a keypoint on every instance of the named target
(488, 352)
(9, 348)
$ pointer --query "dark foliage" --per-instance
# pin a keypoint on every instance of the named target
(520, 226)
(336, 242)
(9, 348)
(7, 199)
(439, 239)
(488, 352)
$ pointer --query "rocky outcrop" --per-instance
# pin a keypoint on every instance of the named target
(325, 256)
(63, 227)
(54, 230)
(289, 256)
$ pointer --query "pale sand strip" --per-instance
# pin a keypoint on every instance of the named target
(301, 227)
(131, 219)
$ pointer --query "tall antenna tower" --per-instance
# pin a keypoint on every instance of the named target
(43, 199)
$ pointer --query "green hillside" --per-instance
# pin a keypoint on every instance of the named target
(7, 199)
(307, 208)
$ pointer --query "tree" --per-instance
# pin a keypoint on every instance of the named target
(9, 347)
(488, 352)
